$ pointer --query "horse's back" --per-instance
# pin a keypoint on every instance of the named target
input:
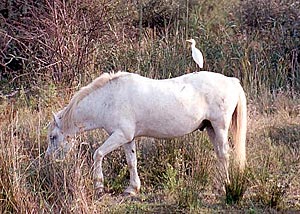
(197, 79)
(211, 79)
(206, 88)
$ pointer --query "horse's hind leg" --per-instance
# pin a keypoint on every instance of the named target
(135, 182)
(115, 140)
(219, 138)
(223, 150)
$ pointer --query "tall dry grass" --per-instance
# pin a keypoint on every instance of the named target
(49, 52)
(178, 175)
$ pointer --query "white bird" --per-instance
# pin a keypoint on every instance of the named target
(196, 53)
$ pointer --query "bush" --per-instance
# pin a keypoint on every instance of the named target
(272, 30)
(162, 14)
(59, 40)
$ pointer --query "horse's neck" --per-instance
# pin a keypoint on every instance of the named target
(88, 115)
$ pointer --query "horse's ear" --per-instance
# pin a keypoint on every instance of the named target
(55, 119)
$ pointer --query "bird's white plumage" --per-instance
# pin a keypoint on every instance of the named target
(196, 53)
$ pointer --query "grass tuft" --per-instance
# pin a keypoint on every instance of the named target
(237, 187)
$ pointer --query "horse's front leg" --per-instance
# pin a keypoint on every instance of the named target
(115, 140)
(135, 183)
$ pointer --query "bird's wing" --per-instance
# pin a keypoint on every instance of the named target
(198, 57)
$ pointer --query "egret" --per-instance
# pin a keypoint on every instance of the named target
(196, 53)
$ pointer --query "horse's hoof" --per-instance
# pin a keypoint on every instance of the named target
(99, 193)
(129, 194)
(130, 191)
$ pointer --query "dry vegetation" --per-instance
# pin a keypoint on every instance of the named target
(49, 49)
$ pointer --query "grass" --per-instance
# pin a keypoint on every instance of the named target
(178, 175)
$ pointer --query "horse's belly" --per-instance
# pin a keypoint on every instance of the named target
(168, 127)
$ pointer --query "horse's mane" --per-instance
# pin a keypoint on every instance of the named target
(66, 115)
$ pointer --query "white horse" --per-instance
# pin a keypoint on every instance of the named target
(128, 105)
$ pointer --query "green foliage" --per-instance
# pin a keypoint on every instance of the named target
(237, 187)
(189, 175)
(171, 181)
(116, 184)
(188, 197)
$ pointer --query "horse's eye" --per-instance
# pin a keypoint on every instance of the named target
(52, 138)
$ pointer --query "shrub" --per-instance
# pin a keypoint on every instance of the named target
(162, 14)
(272, 30)
(237, 187)
(59, 40)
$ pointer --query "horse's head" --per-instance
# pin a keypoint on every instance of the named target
(58, 143)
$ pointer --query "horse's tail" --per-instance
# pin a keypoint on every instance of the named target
(239, 129)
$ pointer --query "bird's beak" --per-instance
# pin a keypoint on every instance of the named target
(188, 40)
